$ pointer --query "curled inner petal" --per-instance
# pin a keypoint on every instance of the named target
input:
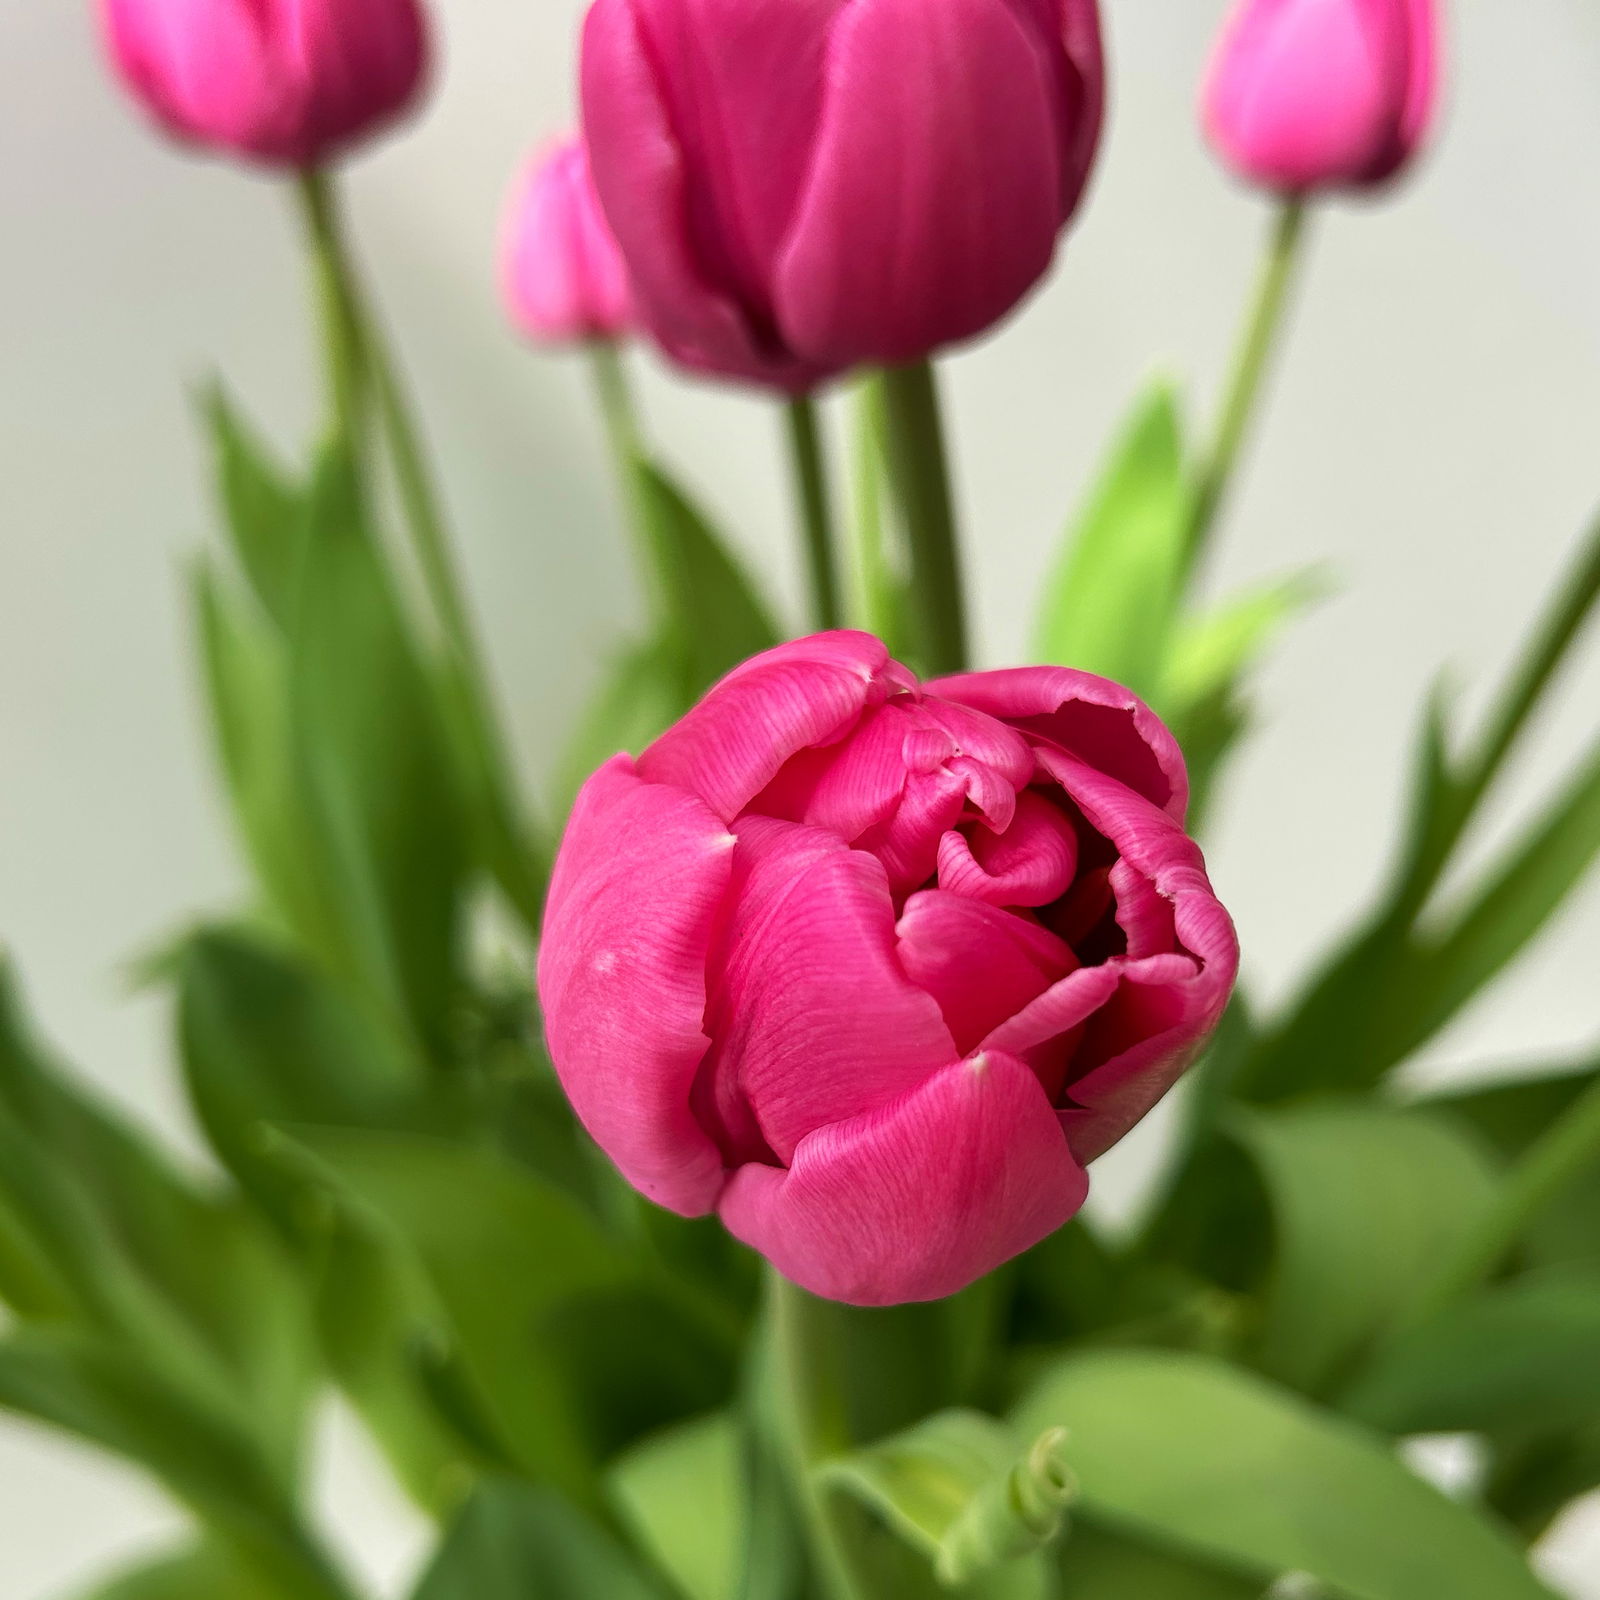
(1031, 863)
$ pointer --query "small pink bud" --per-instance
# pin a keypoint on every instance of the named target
(1318, 94)
(286, 83)
(560, 270)
(802, 188)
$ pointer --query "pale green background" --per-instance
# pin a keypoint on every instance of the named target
(1436, 432)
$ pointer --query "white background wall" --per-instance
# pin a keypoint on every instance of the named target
(1435, 432)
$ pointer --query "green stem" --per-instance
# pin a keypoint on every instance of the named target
(816, 516)
(341, 322)
(1250, 364)
(1562, 1154)
(358, 356)
(621, 420)
(919, 476)
(812, 1419)
(873, 583)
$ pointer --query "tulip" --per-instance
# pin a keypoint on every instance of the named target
(284, 83)
(804, 188)
(561, 273)
(872, 969)
(1314, 94)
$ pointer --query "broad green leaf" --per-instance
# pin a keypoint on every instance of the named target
(1522, 1356)
(1510, 1114)
(961, 1488)
(1109, 609)
(680, 1493)
(262, 510)
(508, 1256)
(717, 618)
(1097, 1564)
(640, 694)
(374, 770)
(1203, 1458)
(1364, 1200)
(515, 1541)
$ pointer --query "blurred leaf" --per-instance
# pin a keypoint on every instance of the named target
(513, 1541)
(1365, 1199)
(1510, 1115)
(961, 1489)
(506, 1254)
(1525, 1355)
(206, 1572)
(1535, 1478)
(640, 694)
(1097, 1564)
(1110, 607)
(718, 619)
(1203, 1458)
(680, 1493)
(262, 510)
(375, 768)
(98, 1392)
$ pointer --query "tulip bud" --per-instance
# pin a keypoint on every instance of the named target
(561, 273)
(804, 188)
(1315, 94)
(874, 969)
(285, 83)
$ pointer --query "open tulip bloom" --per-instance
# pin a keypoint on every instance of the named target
(685, 1174)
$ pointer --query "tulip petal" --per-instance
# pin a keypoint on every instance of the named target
(982, 965)
(1098, 721)
(808, 692)
(1031, 863)
(918, 1199)
(642, 874)
(639, 175)
(813, 1018)
(934, 197)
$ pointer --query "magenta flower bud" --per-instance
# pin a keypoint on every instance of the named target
(874, 969)
(561, 273)
(1317, 94)
(803, 188)
(286, 83)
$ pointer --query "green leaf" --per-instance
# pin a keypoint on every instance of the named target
(1365, 1199)
(207, 1572)
(263, 513)
(374, 770)
(507, 1256)
(717, 618)
(513, 1541)
(1110, 607)
(1097, 1564)
(680, 1493)
(960, 1488)
(1510, 1115)
(1200, 1457)
(1522, 1356)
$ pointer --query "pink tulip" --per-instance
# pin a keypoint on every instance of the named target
(561, 273)
(803, 188)
(1313, 94)
(286, 83)
(874, 969)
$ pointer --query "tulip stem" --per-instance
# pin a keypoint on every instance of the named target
(812, 1419)
(1260, 333)
(1562, 1154)
(814, 501)
(919, 475)
(358, 357)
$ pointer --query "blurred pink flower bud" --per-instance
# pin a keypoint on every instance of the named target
(874, 969)
(803, 188)
(560, 270)
(1313, 94)
(288, 83)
